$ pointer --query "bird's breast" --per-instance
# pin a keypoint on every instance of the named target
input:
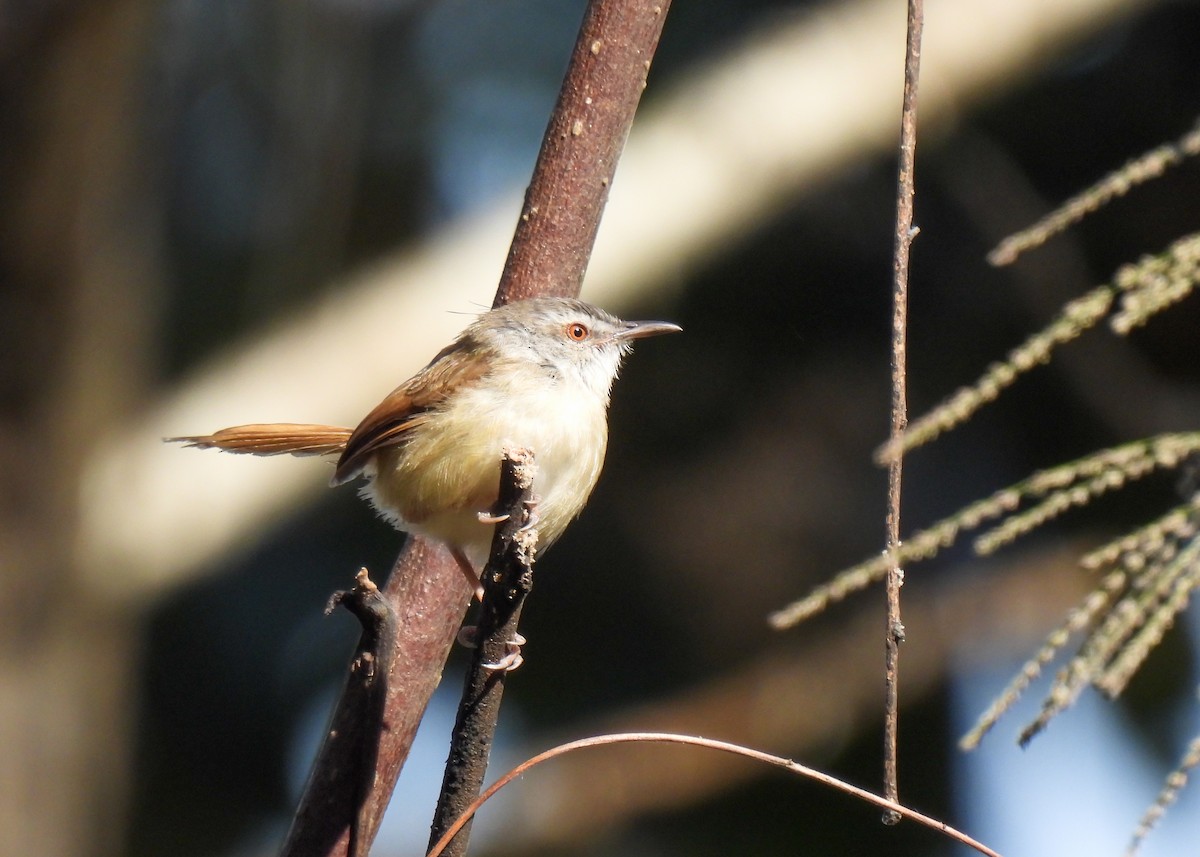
(448, 470)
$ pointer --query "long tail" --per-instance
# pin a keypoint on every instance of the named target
(273, 439)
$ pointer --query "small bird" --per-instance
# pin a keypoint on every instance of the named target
(535, 373)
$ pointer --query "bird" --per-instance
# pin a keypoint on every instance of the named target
(535, 373)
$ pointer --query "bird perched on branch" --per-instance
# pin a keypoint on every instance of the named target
(534, 374)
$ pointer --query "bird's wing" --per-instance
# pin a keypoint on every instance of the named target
(459, 365)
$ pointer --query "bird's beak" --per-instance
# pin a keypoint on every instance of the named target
(642, 329)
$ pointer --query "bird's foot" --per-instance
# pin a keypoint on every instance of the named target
(468, 637)
(531, 513)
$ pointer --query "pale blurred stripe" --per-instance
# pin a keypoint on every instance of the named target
(803, 97)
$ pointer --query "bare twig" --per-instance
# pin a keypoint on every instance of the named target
(507, 579)
(549, 254)
(361, 723)
(707, 743)
(427, 600)
(904, 236)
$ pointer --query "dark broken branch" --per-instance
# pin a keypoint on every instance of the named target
(507, 580)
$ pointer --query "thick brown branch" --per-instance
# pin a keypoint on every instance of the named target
(579, 153)
(553, 241)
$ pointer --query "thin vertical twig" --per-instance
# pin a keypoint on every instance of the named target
(905, 233)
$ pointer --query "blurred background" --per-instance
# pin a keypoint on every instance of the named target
(221, 212)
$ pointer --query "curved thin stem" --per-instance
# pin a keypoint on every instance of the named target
(709, 744)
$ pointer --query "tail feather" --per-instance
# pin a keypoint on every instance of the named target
(273, 439)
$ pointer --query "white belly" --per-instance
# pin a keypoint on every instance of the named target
(449, 471)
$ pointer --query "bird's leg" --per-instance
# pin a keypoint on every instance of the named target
(468, 571)
(468, 634)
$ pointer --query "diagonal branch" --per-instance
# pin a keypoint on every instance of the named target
(581, 147)
(549, 253)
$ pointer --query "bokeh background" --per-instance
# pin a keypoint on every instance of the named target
(226, 212)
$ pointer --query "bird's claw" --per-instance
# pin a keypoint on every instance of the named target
(531, 513)
(468, 637)
(511, 661)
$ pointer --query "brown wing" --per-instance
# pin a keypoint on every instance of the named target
(273, 439)
(459, 365)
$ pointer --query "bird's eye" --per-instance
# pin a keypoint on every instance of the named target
(577, 332)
